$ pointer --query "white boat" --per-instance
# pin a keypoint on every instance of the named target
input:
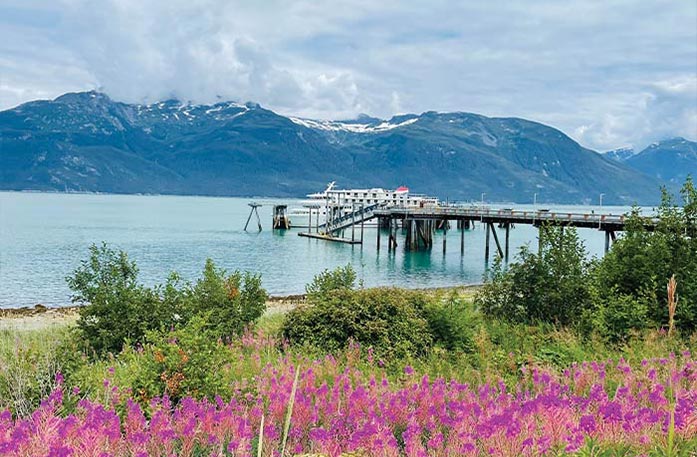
(345, 201)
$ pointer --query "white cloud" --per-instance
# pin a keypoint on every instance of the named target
(662, 109)
(608, 73)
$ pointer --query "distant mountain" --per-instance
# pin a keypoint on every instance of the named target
(88, 142)
(620, 155)
(670, 160)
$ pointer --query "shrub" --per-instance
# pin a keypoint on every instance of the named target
(118, 309)
(228, 302)
(620, 315)
(452, 323)
(329, 281)
(644, 260)
(389, 320)
(553, 285)
(186, 361)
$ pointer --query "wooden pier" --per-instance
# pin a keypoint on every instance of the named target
(420, 223)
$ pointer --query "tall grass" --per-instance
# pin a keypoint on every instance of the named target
(29, 365)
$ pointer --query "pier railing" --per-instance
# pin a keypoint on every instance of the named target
(362, 214)
(508, 215)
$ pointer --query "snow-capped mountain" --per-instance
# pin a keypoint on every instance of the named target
(620, 154)
(668, 160)
(88, 142)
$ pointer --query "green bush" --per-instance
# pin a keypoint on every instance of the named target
(452, 323)
(642, 261)
(329, 281)
(553, 285)
(189, 360)
(388, 320)
(117, 309)
(228, 302)
(620, 315)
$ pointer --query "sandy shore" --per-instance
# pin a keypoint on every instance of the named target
(41, 317)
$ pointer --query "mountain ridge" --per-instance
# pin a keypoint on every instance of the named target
(87, 142)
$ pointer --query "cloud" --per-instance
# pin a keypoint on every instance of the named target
(659, 110)
(609, 73)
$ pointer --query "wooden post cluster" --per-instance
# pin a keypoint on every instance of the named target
(280, 218)
(419, 233)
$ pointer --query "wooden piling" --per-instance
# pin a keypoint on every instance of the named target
(486, 245)
(445, 234)
(508, 232)
(496, 239)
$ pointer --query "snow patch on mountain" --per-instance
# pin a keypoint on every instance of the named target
(335, 126)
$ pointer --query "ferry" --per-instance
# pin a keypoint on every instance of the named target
(345, 201)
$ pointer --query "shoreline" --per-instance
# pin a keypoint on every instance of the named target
(40, 316)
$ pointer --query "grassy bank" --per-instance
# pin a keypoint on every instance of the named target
(520, 389)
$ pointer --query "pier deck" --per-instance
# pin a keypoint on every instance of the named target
(605, 222)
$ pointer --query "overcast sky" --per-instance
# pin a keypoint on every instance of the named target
(609, 73)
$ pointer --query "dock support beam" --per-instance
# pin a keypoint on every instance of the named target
(486, 246)
(353, 222)
(445, 234)
(254, 207)
(362, 222)
(378, 230)
(609, 235)
(508, 234)
(496, 239)
(462, 241)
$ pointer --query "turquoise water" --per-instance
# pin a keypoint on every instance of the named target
(44, 236)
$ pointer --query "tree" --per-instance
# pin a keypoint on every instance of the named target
(229, 302)
(549, 286)
(641, 262)
(115, 307)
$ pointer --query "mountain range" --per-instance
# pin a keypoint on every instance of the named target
(670, 161)
(86, 142)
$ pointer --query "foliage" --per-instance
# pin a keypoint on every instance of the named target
(28, 368)
(189, 360)
(618, 316)
(117, 309)
(228, 302)
(329, 281)
(389, 320)
(641, 262)
(552, 285)
(452, 322)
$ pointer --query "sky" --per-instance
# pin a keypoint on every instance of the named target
(608, 73)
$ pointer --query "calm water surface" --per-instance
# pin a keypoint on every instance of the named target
(43, 237)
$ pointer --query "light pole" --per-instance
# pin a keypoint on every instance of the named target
(600, 210)
(601, 201)
(534, 199)
(483, 194)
